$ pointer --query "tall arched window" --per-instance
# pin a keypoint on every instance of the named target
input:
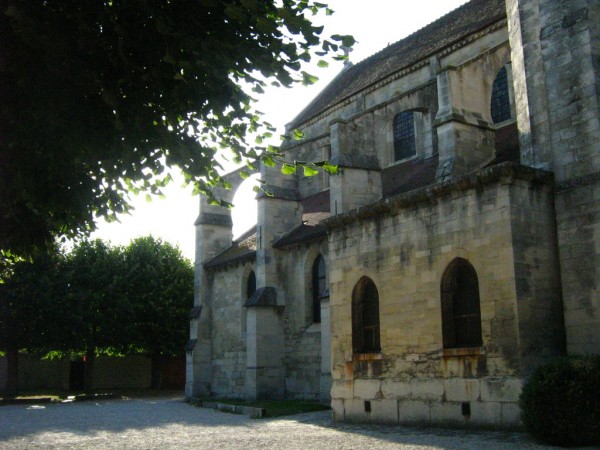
(500, 104)
(404, 135)
(461, 313)
(365, 317)
(250, 285)
(319, 285)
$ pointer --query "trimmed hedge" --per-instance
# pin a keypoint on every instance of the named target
(560, 403)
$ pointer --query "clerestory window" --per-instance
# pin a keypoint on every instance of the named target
(404, 135)
(500, 104)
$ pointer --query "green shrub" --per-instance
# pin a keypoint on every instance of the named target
(560, 403)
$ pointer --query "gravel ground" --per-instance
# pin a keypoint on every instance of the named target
(172, 423)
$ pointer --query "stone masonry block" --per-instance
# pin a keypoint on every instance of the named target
(342, 389)
(447, 413)
(337, 407)
(486, 413)
(384, 411)
(395, 389)
(414, 412)
(354, 410)
(462, 389)
(424, 389)
(367, 389)
(501, 390)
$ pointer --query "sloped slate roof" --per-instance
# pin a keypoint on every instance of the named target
(444, 32)
(315, 208)
(242, 249)
(408, 175)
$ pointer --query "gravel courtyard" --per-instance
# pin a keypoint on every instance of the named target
(154, 423)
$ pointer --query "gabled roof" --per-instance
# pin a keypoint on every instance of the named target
(424, 43)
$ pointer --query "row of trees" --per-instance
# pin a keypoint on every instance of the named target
(97, 299)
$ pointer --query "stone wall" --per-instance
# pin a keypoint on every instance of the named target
(302, 337)
(228, 331)
(404, 245)
(555, 47)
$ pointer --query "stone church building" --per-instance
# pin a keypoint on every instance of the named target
(457, 247)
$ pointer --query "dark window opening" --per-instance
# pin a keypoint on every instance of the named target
(365, 317)
(319, 286)
(466, 409)
(500, 99)
(461, 314)
(404, 135)
(251, 285)
(367, 406)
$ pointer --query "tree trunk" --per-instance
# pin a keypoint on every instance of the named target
(157, 371)
(12, 372)
(88, 374)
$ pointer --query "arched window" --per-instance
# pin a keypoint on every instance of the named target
(250, 289)
(319, 285)
(461, 314)
(250, 285)
(500, 104)
(404, 135)
(365, 317)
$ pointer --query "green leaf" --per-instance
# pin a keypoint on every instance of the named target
(322, 63)
(288, 169)
(330, 168)
(268, 161)
(309, 171)
(348, 41)
(308, 79)
(297, 135)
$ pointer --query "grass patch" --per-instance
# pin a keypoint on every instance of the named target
(274, 408)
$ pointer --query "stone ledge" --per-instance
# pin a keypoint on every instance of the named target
(505, 173)
(250, 411)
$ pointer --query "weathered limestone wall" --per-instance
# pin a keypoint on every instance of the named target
(213, 235)
(303, 352)
(228, 333)
(578, 222)
(555, 48)
(404, 245)
(537, 275)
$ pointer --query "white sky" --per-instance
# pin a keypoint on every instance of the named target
(375, 26)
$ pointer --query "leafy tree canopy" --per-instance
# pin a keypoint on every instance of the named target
(160, 287)
(99, 96)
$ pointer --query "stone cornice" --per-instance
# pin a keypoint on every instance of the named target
(505, 173)
(277, 192)
(221, 220)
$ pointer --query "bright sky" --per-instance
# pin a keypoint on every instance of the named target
(375, 26)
